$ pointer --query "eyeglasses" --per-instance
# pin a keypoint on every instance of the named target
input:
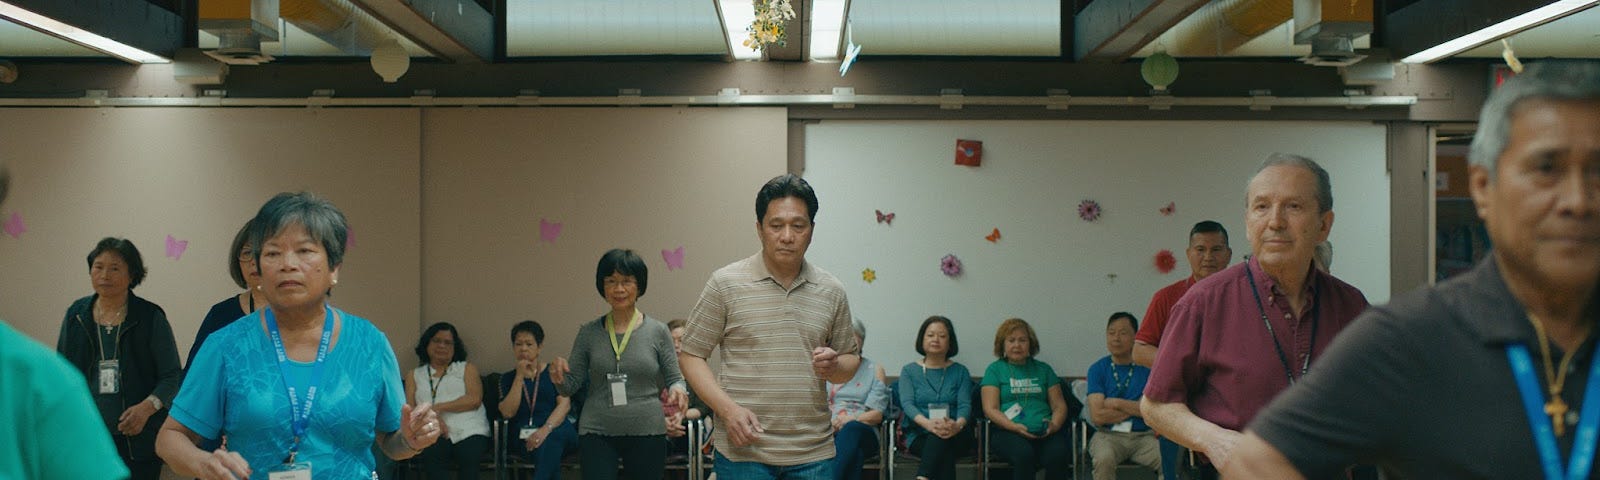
(612, 282)
(247, 256)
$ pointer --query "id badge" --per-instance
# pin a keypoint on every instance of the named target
(1014, 413)
(938, 411)
(619, 388)
(110, 376)
(526, 432)
(1124, 426)
(290, 471)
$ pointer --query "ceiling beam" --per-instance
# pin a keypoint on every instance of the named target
(1426, 23)
(454, 30)
(1113, 30)
(797, 30)
(135, 23)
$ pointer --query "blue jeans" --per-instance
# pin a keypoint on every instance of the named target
(1170, 458)
(547, 458)
(729, 469)
(852, 444)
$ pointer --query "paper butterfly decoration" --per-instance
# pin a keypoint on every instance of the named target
(1089, 210)
(674, 258)
(548, 231)
(993, 237)
(1165, 262)
(14, 226)
(1171, 207)
(175, 247)
(851, 49)
(885, 218)
(869, 275)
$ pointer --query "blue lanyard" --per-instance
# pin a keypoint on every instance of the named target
(301, 417)
(1583, 445)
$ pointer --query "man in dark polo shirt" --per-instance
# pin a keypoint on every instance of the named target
(1483, 375)
(1246, 333)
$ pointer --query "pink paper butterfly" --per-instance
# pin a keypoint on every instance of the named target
(548, 231)
(175, 247)
(1171, 207)
(674, 258)
(14, 226)
(885, 218)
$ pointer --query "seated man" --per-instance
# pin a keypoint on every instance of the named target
(1115, 385)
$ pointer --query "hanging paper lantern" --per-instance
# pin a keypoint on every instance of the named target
(1159, 70)
(390, 60)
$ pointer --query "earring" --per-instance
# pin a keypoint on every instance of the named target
(335, 281)
(258, 288)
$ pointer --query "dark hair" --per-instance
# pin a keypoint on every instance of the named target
(1131, 320)
(1208, 226)
(130, 254)
(1011, 325)
(427, 336)
(1324, 193)
(529, 327)
(677, 323)
(322, 221)
(786, 185)
(623, 261)
(240, 240)
(955, 347)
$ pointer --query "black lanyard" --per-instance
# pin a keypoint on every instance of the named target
(1305, 366)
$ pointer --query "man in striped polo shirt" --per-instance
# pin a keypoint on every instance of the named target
(784, 327)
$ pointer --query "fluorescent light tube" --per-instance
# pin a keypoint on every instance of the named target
(736, 18)
(1538, 16)
(77, 35)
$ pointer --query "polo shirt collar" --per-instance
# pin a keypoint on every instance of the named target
(758, 267)
(1484, 305)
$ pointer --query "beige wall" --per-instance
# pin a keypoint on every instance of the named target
(198, 174)
(645, 179)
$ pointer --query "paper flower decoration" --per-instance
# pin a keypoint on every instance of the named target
(1165, 262)
(869, 275)
(1169, 209)
(993, 237)
(950, 265)
(1089, 210)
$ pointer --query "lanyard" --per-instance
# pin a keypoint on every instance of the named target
(1583, 445)
(433, 385)
(531, 400)
(611, 330)
(938, 391)
(1121, 384)
(1305, 365)
(301, 418)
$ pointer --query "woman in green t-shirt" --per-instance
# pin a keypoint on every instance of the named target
(1022, 397)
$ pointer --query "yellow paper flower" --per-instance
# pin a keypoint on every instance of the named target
(869, 275)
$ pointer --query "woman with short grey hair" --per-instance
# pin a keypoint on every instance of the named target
(343, 382)
(857, 407)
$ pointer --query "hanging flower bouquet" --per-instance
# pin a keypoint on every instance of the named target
(768, 27)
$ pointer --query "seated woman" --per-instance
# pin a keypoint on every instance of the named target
(936, 394)
(535, 412)
(1022, 397)
(456, 391)
(857, 408)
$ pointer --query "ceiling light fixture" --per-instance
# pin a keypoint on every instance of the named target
(1538, 16)
(827, 21)
(736, 17)
(77, 35)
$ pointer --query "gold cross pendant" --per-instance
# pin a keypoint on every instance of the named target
(1557, 410)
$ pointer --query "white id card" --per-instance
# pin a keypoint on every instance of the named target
(290, 471)
(1124, 426)
(938, 411)
(110, 376)
(619, 388)
(526, 432)
(1014, 413)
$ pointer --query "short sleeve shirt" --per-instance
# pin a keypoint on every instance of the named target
(766, 334)
(52, 429)
(235, 388)
(1155, 317)
(1027, 385)
(1119, 381)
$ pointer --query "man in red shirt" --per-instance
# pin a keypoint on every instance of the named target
(1208, 253)
(1245, 334)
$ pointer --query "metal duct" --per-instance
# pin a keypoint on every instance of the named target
(1223, 25)
(1331, 27)
(240, 27)
(337, 22)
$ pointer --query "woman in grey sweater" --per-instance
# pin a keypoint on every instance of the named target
(622, 361)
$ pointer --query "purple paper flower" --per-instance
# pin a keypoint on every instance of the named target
(1089, 210)
(950, 265)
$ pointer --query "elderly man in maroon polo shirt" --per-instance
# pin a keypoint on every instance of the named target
(1246, 333)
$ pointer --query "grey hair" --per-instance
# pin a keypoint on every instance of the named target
(1324, 255)
(323, 222)
(1546, 80)
(1324, 185)
(860, 328)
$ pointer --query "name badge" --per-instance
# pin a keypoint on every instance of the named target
(1014, 413)
(290, 471)
(619, 388)
(938, 411)
(1124, 426)
(110, 376)
(526, 432)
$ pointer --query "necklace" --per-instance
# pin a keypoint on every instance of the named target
(1555, 407)
(108, 320)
